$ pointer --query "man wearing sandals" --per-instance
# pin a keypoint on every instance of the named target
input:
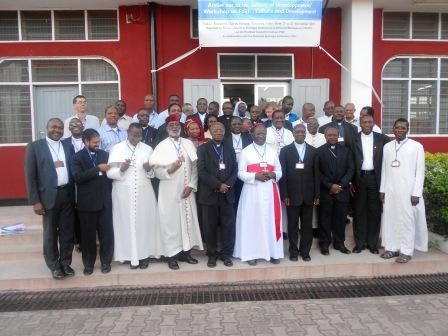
(403, 173)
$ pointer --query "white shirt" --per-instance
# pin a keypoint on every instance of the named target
(237, 144)
(77, 144)
(315, 140)
(279, 138)
(58, 154)
(367, 151)
(301, 149)
(324, 120)
(301, 122)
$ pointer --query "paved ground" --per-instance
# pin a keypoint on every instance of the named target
(397, 316)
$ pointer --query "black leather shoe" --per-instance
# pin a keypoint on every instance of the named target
(324, 251)
(293, 258)
(227, 261)
(87, 271)
(274, 261)
(357, 249)
(343, 249)
(374, 250)
(133, 267)
(68, 271)
(252, 262)
(105, 268)
(188, 259)
(58, 274)
(143, 264)
(211, 262)
(172, 264)
(306, 257)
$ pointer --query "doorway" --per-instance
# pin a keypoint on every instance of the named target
(256, 93)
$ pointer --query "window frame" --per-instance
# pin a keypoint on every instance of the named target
(86, 28)
(410, 38)
(291, 55)
(192, 23)
(30, 83)
(409, 79)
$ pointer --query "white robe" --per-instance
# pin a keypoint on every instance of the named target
(403, 225)
(179, 226)
(280, 139)
(134, 206)
(255, 219)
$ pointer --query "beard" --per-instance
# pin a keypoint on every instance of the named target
(174, 134)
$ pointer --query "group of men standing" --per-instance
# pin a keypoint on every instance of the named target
(243, 192)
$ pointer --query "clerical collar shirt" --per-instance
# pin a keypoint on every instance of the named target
(111, 136)
(367, 151)
(301, 149)
(58, 154)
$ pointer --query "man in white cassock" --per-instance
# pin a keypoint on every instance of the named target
(259, 216)
(175, 164)
(278, 137)
(403, 173)
(134, 206)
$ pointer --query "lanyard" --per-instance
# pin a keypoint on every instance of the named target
(279, 135)
(54, 151)
(91, 158)
(152, 117)
(260, 155)
(131, 149)
(401, 145)
(238, 142)
(178, 147)
(301, 156)
(333, 153)
(220, 154)
(145, 131)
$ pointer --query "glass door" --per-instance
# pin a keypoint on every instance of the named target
(270, 92)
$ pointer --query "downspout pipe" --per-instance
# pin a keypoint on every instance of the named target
(152, 48)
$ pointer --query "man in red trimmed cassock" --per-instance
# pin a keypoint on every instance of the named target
(259, 217)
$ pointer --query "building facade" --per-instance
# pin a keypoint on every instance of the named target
(394, 56)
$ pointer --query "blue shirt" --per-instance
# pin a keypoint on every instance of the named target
(110, 137)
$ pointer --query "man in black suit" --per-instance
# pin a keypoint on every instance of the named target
(76, 128)
(299, 190)
(51, 192)
(149, 133)
(238, 140)
(347, 132)
(368, 155)
(94, 202)
(336, 171)
(217, 172)
(226, 118)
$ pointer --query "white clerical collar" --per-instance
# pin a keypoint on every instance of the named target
(53, 141)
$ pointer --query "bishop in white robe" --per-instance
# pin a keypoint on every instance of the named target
(175, 164)
(259, 216)
(134, 206)
(403, 172)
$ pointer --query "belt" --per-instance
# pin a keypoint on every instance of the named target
(367, 172)
(62, 187)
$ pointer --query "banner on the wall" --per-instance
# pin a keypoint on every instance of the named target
(259, 23)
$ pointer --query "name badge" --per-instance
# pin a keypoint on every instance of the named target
(59, 164)
(300, 165)
(395, 163)
(263, 164)
(100, 173)
(222, 166)
(237, 150)
(341, 139)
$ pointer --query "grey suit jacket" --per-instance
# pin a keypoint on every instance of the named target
(40, 173)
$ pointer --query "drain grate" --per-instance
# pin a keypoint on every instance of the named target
(230, 292)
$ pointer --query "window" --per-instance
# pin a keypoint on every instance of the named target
(19, 78)
(256, 66)
(416, 89)
(415, 25)
(56, 25)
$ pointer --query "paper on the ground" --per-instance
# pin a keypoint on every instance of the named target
(12, 229)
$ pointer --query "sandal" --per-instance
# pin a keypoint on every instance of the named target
(389, 254)
(403, 258)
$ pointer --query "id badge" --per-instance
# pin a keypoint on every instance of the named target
(237, 150)
(58, 164)
(100, 173)
(395, 163)
(222, 166)
(263, 164)
(300, 165)
(341, 139)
